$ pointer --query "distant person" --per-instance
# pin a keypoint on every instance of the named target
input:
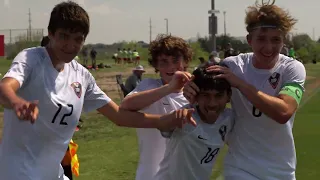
(129, 55)
(134, 79)
(136, 57)
(292, 53)
(203, 62)
(214, 59)
(229, 51)
(120, 55)
(285, 50)
(93, 55)
(84, 53)
(125, 55)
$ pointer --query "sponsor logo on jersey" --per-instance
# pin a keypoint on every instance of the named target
(223, 131)
(77, 88)
(202, 138)
(274, 80)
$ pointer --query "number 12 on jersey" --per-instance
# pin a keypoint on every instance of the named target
(64, 115)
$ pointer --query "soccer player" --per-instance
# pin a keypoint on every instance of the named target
(46, 86)
(268, 88)
(170, 57)
(191, 151)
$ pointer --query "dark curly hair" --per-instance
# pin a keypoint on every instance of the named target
(205, 81)
(268, 14)
(71, 16)
(170, 46)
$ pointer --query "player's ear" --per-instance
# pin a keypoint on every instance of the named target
(249, 38)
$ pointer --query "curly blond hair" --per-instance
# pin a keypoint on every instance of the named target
(170, 46)
(268, 14)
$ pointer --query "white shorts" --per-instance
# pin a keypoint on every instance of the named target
(232, 173)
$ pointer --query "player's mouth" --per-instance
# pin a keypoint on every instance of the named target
(169, 74)
(267, 55)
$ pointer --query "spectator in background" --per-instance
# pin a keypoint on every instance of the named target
(203, 62)
(136, 57)
(229, 51)
(125, 55)
(120, 56)
(84, 53)
(93, 54)
(129, 55)
(285, 50)
(135, 78)
(292, 53)
(214, 58)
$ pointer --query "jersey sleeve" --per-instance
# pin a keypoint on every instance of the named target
(94, 97)
(21, 66)
(294, 77)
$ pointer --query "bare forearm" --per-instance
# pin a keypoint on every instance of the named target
(273, 107)
(7, 96)
(127, 118)
(137, 120)
(138, 101)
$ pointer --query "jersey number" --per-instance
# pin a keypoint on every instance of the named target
(65, 115)
(256, 112)
(209, 155)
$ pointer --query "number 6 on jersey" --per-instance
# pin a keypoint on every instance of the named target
(65, 115)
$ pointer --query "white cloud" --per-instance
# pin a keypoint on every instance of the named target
(104, 9)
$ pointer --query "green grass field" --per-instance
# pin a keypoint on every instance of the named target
(109, 152)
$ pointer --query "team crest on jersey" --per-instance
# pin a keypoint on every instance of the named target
(77, 88)
(274, 79)
(223, 131)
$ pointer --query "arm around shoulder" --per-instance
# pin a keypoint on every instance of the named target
(144, 95)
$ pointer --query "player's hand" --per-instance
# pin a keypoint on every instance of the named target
(190, 90)
(176, 119)
(25, 110)
(178, 81)
(227, 74)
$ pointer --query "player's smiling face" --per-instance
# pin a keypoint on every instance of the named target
(211, 103)
(168, 65)
(266, 44)
(65, 44)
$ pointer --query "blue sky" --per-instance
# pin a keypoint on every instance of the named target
(117, 20)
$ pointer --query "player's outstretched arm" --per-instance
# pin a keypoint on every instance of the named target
(127, 118)
(8, 98)
(140, 100)
(8, 89)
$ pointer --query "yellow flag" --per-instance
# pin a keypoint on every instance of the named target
(73, 147)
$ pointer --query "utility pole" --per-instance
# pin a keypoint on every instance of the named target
(29, 29)
(150, 30)
(313, 35)
(167, 25)
(224, 23)
(213, 25)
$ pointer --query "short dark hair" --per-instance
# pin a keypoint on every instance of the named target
(71, 16)
(45, 41)
(205, 81)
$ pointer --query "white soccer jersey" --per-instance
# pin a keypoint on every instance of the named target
(34, 151)
(191, 151)
(258, 144)
(151, 144)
